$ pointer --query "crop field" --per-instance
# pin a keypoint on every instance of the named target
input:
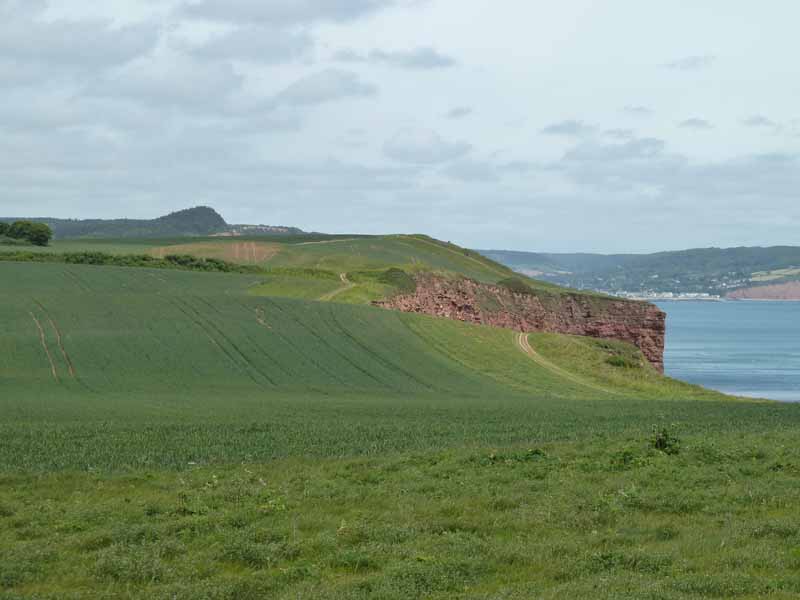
(172, 434)
(329, 253)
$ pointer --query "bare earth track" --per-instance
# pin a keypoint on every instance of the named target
(43, 340)
(331, 295)
(524, 344)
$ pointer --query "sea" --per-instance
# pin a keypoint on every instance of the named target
(747, 348)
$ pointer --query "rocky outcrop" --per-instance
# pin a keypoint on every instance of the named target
(789, 290)
(639, 323)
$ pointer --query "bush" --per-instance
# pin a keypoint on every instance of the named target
(665, 441)
(399, 279)
(516, 285)
(182, 262)
(7, 241)
(623, 362)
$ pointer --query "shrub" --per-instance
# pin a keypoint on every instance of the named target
(182, 262)
(7, 241)
(665, 441)
(516, 285)
(623, 362)
(399, 279)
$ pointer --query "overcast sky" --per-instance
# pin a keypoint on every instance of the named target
(578, 125)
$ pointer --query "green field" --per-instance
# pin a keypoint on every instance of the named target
(324, 254)
(343, 269)
(174, 434)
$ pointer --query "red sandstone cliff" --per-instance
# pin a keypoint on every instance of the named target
(639, 323)
(778, 291)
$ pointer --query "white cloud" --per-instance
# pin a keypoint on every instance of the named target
(472, 171)
(84, 44)
(257, 44)
(571, 128)
(325, 86)
(759, 121)
(633, 110)
(423, 146)
(459, 112)
(172, 80)
(284, 12)
(424, 58)
(696, 124)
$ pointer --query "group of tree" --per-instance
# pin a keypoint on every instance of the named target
(38, 234)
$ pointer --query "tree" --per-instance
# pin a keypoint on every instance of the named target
(3, 228)
(38, 234)
(19, 230)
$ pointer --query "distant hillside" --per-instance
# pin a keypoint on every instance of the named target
(701, 270)
(789, 290)
(198, 221)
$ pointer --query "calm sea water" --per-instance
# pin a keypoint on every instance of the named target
(745, 348)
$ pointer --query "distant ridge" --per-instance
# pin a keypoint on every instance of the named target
(198, 221)
(700, 270)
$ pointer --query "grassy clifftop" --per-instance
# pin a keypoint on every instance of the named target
(345, 269)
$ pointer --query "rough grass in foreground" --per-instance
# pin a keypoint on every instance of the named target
(604, 519)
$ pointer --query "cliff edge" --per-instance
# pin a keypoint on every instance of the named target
(639, 323)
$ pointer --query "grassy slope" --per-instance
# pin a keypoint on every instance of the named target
(171, 348)
(216, 444)
(316, 260)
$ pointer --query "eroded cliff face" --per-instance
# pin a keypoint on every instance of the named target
(778, 291)
(639, 323)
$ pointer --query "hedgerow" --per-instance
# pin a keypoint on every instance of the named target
(184, 262)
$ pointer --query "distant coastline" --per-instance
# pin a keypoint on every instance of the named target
(786, 291)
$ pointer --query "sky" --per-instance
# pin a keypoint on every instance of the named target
(578, 125)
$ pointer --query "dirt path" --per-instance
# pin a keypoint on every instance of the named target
(43, 341)
(323, 242)
(261, 318)
(59, 339)
(524, 344)
(63, 350)
(331, 295)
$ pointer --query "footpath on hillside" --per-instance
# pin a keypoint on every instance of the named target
(524, 344)
(331, 295)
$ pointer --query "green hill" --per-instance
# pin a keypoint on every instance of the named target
(200, 220)
(701, 270)
(310, 266)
